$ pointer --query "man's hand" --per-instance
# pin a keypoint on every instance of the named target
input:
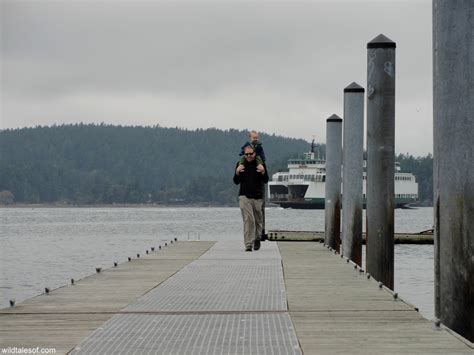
(260, 169)
(239, 169)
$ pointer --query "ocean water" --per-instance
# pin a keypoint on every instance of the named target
(46, 247)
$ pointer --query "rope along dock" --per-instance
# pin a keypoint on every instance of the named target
(214, 298)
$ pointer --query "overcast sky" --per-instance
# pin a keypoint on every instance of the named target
(278, 67)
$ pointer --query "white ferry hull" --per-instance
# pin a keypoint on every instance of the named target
(303, 185)
(318, 203)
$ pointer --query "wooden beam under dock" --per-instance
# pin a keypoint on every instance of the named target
(316, 236)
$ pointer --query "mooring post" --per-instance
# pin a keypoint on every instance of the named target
(453, 169)
(380, 159)
(353, 150)
(333, 182)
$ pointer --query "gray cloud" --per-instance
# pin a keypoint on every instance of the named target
(277, 67)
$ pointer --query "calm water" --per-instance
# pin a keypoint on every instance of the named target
(48, 246)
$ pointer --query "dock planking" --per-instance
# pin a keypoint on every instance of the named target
(65, 316)
(337, 309)
(334, 308)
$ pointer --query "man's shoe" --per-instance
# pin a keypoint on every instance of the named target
(248, 249)
(256, 245)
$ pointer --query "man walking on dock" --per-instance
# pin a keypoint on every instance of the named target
(251, 180)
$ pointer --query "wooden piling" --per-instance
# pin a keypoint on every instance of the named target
(453, 127)
(333, 181)
(353, 150)
(380, 158)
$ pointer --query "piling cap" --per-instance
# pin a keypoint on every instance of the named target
(354, 87)
(381, 42)
(334, 118)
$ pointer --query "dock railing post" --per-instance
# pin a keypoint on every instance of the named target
(453, 168)
(353, 150)
(332, 203)
(380, 159)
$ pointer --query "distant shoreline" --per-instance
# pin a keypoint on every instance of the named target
(118, 205)
(138, 205)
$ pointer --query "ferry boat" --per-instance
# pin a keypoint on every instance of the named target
(303, 185)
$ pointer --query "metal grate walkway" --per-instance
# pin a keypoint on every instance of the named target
(226, 302)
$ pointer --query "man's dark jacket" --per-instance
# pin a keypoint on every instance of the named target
(251, 181)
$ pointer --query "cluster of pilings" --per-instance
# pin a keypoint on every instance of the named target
(380, 166)
(453, 173)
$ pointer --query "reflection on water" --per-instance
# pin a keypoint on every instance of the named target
(48, 246)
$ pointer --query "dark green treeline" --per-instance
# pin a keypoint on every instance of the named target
(102, 164)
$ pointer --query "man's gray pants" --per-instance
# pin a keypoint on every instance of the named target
(253, 219)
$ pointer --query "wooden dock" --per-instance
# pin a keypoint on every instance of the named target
(64, 317)
(206, 297)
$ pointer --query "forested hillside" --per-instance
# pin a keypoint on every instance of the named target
(101, 164)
